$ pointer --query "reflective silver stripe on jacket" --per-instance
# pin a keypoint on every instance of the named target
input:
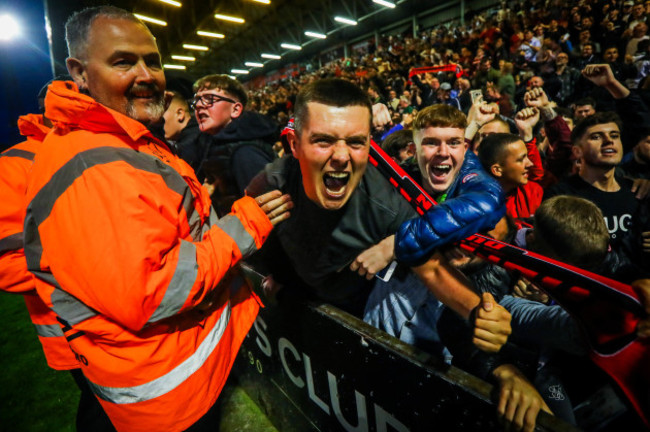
(23, 154)
(196, 227)
(179, 288)
(48, 330)
(11, 243)
(234, 228)
(212, 220)
(69, 308)
(173, 378)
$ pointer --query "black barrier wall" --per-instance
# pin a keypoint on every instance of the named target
(316, 368)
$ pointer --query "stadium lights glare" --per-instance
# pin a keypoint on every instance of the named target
(173, 66)
(384, 3)
(171, 2)
(271, 56)
(229, 18)
(195, 47)
(210, 34)
(315, 35)
(9, 28)
(345, 20)
(291, 46)
(239, 71)
(263, 1)
(151, 20)
(184, 58)
(254, 64)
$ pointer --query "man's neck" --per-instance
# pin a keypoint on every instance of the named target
(508, 187)
(600, 178)
(438, 197)
(560, 69)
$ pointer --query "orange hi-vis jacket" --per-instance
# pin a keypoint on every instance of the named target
(15, 164)
(129, 253)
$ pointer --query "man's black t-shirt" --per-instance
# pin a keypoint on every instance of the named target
(618, 207)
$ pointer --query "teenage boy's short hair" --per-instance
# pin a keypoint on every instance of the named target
(224, 83)
(397, 141)
(593, 120)
(329, 91)
(572, 230)
(493, 148)
(440, 116)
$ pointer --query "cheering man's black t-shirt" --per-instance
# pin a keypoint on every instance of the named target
(618, 207)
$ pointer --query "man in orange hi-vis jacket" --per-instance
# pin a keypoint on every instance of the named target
(15, 164)
(123, 242)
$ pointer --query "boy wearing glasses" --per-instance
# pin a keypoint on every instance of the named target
(218, 100)
(226, 146)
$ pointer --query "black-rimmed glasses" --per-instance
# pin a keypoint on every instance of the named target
(210, 99)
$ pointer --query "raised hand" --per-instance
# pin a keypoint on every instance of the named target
(525, 120)
(599, 74)
(275, 205)
(536, 98)
(492, 325)
(482, 112)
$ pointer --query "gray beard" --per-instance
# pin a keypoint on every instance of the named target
(154, 110)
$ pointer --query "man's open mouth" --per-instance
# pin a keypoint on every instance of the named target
(609, 151)
(145, 94)
(440, 170)
(335, 182)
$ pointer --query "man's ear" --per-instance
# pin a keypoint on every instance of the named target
(576, 150)
(496, 170)
(181, 114)
(410, 149)
(77, 71)
(293, 143)
(237, 109)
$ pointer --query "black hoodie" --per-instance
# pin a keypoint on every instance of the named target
(196, 147)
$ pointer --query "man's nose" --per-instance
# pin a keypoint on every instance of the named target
(143, 72)
(443, 149)
(341, 153)
(528, 163)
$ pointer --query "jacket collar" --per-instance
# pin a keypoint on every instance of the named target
(70, 109)
(31, 126)
(471, 164)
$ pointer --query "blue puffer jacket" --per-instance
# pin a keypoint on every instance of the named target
(475, 202)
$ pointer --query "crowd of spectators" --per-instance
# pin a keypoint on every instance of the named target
(527, 72)
(551, 98)
(502, 52)
(537, 110)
